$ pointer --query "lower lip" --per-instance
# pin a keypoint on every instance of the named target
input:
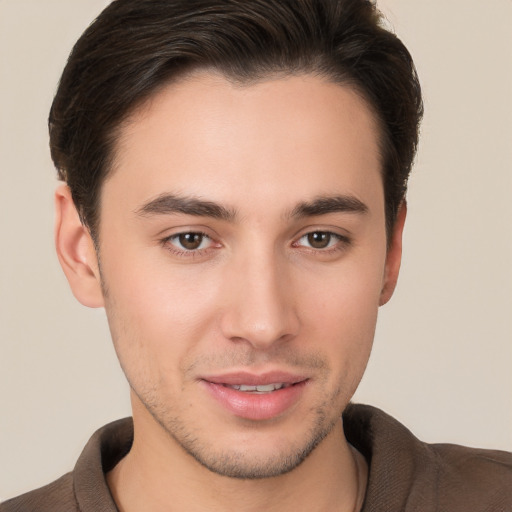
(256, 406)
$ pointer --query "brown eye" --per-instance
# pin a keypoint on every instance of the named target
(190, 241)
(190, 244)
(319, 239)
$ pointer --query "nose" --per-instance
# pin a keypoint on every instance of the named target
(261, 309)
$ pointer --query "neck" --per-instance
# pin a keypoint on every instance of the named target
(158, 473)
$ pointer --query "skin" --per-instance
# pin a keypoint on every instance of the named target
(275, 284)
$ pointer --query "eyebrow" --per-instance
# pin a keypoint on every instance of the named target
(168, 204)
(323, 205)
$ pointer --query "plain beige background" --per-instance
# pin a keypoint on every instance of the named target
(443, 354)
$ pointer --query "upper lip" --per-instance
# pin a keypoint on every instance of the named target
(255, 379)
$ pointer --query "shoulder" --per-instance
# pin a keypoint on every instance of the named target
(55, 497)
(470, 475)
(410, 475)
(85, 489)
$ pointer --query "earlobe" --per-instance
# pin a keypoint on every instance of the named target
(76, 252)
(394, 256)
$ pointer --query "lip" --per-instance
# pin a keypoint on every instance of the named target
(254, 379)
(255, 406)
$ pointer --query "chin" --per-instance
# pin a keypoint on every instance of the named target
(255, 456)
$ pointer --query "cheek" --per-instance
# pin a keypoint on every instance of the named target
(349, 291)
(346, 324)
(157, 315)
(344, 332)
(340, 313)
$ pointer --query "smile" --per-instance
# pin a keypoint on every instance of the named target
(256, 397)
(266, 388)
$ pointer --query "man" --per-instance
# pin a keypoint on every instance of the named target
(234, 197)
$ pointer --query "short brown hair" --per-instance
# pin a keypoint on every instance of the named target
(136, 46)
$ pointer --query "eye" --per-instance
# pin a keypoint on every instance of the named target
(319, 240)
(191, 241)
(323, 243)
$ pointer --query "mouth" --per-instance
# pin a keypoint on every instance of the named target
(256, 383)
(256, 397)
(263, 388)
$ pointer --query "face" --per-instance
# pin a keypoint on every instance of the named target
(243, 256)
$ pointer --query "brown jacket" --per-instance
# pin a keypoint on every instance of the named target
(405, 474)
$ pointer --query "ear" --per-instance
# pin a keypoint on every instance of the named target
(394, 256)
(76, 252)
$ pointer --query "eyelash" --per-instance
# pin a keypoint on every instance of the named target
(341, 243)
(186, 253)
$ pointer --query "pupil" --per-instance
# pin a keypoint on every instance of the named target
(191, 241)
(319, 239)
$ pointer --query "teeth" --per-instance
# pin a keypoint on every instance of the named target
(267, 388)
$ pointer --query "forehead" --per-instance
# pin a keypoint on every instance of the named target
(207, 136)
